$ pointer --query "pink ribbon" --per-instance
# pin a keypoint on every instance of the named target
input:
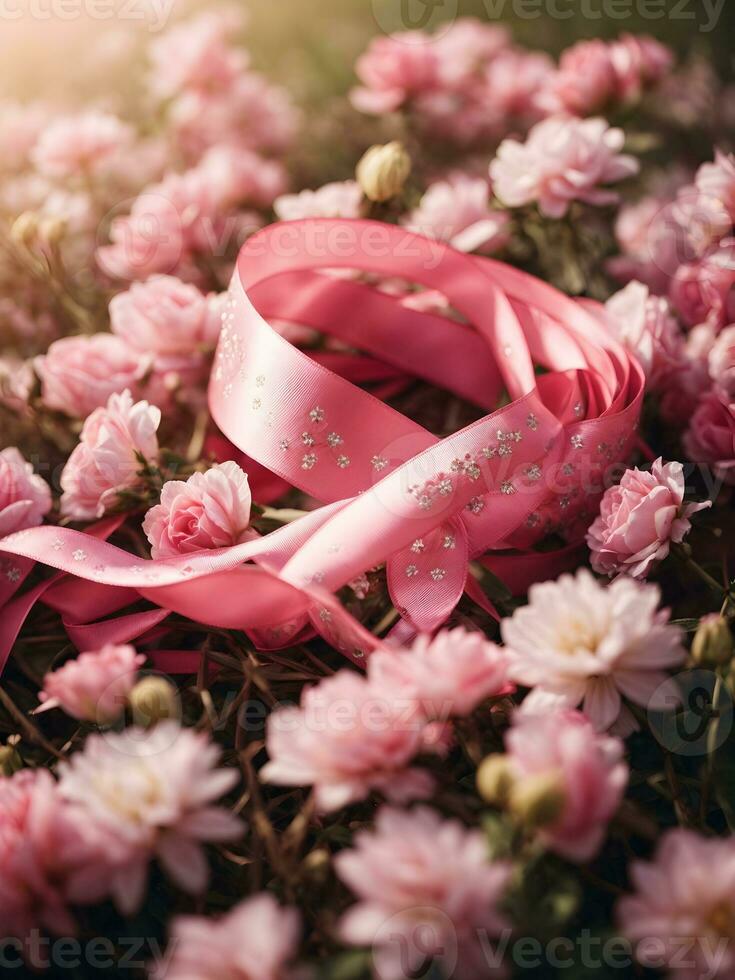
(390, 491)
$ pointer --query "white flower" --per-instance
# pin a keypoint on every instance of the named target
(578, 642)
(152, 790)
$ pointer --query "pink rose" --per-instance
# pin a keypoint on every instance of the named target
(196, 55)
(20, 126)
(585, 81)
(466, 47)
(82, 144)
(562, 160)
(237, 177)
(426, 887)
(717, 181)
(94, 687)
(205, 119)
(256, 938)
(169, 319)
(449, 675)
(393, 70)
(721, 362)
(114, 444)
(514, 83)
(209, 510)
(457, 211)
(640, 62)
(24, 496)
(150, 239)
(589, 772)
(78, 374)
(644, 324)
(348, 737)
(703, 290)
(639, 518)
(710, 438)
(340, 199)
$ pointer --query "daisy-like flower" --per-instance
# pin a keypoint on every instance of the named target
(426, 888)
(152, 790)
(349, 736)
(684, 902)
(579, 642)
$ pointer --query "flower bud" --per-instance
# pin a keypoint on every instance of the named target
(382, 171)
(538, 801)
(10, 761)
(25, 228)
(495, 779)
(52, 230)
(713, 644)
(153, 699)
(316, 865)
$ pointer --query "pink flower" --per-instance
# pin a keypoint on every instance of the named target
(151, 239)
(591, 775)
(250, 114)
(53, 856)
(640, 62)
(239, 177)
(170, 320)
(78, 374)
(449, 675)
(704, 290)
(562, 160)
(20, 127)
(586, 80)
(348, 737)
(457, 211)
(196, 55)
(93, 687)
(25, 497)
(721, 362)
(466, 47)
(394, 70)
(514, 83)
(644, 324)
(152, 791)
(639, 518)
(683, 900)
(579, 642)
(71, 146)
(257, 938)
(710, 437)
(717, 181)
(115, 444)
(209, 510)
(341, 199)
(426, 887)
(653, 242)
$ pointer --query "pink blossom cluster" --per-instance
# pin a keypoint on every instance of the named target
(352, 735)
(468, 82)
(594, 76)
(214, 99)
(682, 246)
(120, 800)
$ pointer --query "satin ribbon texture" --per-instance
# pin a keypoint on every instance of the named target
(559, 399)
